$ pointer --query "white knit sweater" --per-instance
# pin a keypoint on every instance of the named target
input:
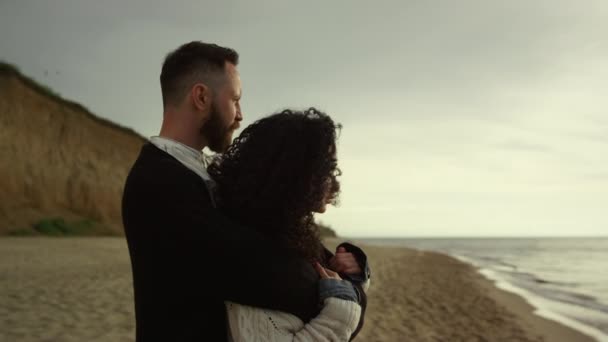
(336, 322)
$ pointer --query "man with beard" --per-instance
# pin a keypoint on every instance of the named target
(186, 257)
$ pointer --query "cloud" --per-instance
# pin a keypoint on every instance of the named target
(518, 145)
(439, 100)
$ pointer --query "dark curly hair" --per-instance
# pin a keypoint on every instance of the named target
(279, 171)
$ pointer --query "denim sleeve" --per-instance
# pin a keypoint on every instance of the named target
(337, 288)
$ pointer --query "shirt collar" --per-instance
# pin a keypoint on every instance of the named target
(188, 156)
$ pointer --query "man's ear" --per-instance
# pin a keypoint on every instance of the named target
(201, 96)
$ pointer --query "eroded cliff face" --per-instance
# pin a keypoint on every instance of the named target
(57, 159)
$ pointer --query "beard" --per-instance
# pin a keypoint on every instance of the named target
(218, 134)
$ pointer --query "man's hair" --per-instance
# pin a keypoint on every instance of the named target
(191, 63)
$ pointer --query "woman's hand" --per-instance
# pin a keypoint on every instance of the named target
(332, 285)
(326, 273)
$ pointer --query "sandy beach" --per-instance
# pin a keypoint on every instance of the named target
(426, 296)
(79, 289)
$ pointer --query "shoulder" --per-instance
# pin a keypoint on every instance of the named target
(156, 176)
(156, 167)
(153, 161)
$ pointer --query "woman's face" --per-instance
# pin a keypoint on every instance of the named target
(329, 187)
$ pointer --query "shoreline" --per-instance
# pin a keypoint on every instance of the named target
(549, 328)
(540, 306)
(540, 310)
(510, 316)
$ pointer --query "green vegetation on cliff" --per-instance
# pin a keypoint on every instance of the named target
(326, 231)
(60, 227)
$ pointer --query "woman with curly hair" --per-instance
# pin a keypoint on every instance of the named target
(273, 178)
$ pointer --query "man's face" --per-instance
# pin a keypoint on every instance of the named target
(225, 113)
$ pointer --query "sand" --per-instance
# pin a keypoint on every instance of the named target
(65, 289)
(79, 289)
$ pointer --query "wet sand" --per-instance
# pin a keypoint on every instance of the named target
(79, 289)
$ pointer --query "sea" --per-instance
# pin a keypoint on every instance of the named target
(565, 279)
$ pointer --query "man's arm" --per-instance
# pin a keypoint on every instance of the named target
(351, 261)
(238, 263)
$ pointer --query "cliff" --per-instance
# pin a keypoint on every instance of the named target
(57, 159)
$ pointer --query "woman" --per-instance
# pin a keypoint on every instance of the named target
(273, 177)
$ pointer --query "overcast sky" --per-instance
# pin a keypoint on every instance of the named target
(461, 118)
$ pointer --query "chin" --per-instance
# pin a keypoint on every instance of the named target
(220, 147)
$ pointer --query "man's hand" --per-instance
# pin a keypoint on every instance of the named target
(344, 262)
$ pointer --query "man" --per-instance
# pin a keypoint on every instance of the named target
(187, 259)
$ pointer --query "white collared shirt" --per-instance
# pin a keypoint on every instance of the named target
(188, 156)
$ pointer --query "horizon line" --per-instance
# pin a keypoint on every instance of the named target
(479, 237)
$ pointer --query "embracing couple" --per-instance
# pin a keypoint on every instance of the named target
(227, 250)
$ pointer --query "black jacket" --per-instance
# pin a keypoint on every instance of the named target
(187, 258)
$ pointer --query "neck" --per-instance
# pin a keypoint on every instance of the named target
(182, 133)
